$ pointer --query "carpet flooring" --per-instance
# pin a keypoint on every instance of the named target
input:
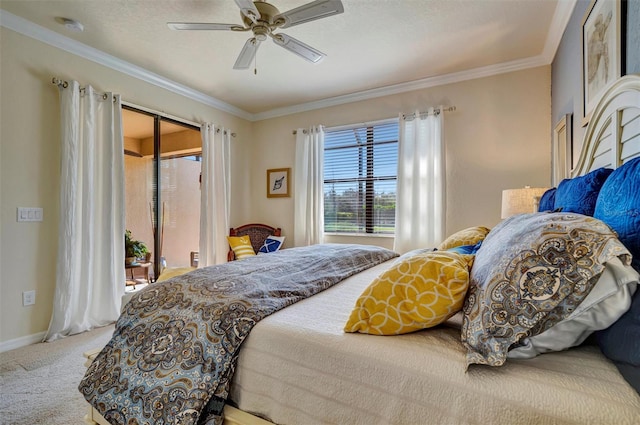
(39, 383)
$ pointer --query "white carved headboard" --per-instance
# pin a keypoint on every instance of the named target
(613, 134)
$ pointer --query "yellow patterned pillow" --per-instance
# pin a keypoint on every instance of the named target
(469, 236)
(241, 246)
(420, 292)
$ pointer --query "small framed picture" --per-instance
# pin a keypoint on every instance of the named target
(278, 183)
(601, 51)
(562, 155)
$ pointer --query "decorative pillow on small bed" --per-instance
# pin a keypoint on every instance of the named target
(532, 272)
(271, 244)
(547, 200)
(579, 194)
(469, 236)
(419, 292)
(170, 272)
(241, 246)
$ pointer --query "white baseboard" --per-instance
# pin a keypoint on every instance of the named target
(23, 341)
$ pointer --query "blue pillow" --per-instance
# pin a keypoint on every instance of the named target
(466, 249)
(621, 343)
(631, 373)
(271, 244)
(618, 205)
(547, 200)
(579, 195)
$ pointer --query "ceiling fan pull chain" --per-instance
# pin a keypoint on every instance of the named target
(255, 64)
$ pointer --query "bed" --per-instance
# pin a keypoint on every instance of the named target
(299, 366)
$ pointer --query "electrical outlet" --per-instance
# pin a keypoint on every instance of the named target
(28, 298)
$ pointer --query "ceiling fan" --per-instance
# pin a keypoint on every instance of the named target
(262, 19)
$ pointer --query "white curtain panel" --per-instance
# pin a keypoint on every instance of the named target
(214, 195)
(90, 274)
(308, 216)
(420, 204)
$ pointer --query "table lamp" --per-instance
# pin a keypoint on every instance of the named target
(519, 201)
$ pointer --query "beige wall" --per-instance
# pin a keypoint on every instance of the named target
(498, 138)
(30, 162)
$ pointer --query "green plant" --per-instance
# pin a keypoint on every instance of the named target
(133, 248)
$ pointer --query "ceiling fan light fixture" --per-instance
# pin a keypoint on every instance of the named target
(262, 18)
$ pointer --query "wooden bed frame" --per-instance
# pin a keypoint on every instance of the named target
(611, 139)
(613, 134)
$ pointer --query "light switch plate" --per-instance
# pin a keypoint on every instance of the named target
(29, 214)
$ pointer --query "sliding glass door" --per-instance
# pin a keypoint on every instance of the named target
(162, 191)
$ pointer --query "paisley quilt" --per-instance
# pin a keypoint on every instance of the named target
(173, 353)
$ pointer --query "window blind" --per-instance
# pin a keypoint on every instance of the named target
(360, 175)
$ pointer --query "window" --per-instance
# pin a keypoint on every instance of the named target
(360, 174)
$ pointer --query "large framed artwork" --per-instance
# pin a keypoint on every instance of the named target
(278, 183)
(601, 51)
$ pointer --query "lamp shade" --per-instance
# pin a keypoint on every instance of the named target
(518, 201)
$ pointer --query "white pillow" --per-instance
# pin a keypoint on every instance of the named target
(609, 299)
(271, 244)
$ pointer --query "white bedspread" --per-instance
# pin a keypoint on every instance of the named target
(299, 367)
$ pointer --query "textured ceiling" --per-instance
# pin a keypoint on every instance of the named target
(373, 44)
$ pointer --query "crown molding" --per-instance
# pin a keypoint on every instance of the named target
(562, 14)
(455, 77)
(561, 17)
(29, 29)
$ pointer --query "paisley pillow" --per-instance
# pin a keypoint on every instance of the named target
(532, 272)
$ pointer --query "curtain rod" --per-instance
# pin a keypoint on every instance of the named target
(59, 82)
(171, 117)
(436, 111)
(64, 84)
(305, 131)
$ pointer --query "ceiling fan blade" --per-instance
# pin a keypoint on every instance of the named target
(298, 47)
(204, 26)
(247, 54)
(309, 12)
(248, 9)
